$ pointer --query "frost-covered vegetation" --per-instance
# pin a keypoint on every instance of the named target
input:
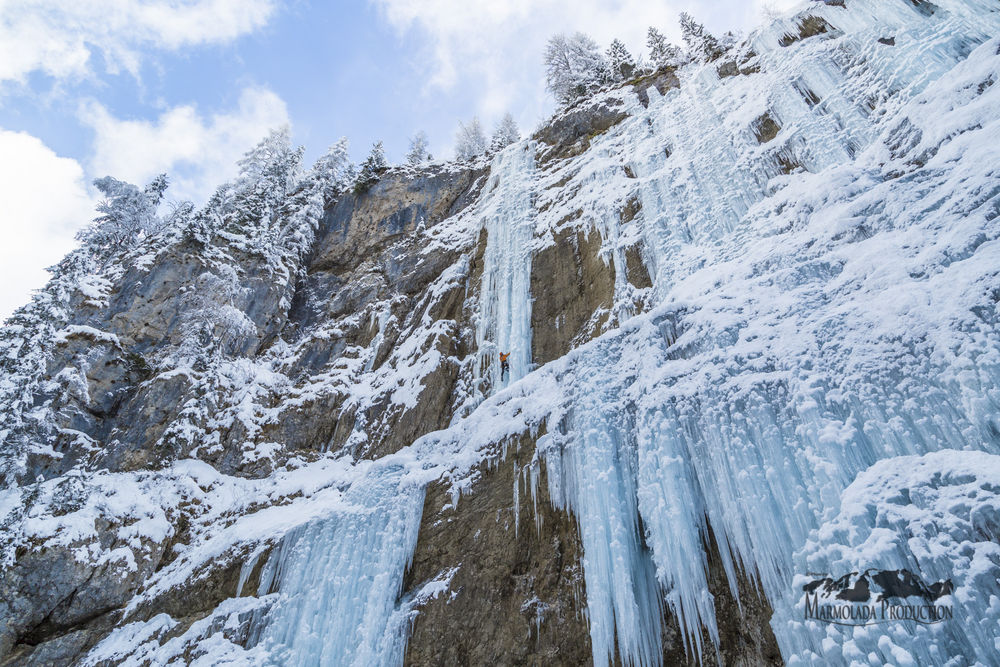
(575, 68)
(270, 213)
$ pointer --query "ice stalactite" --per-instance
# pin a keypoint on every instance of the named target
(507, 215)
(638, 506)
(642, 466)
(595, 478)
(673, 514)
(338, 579)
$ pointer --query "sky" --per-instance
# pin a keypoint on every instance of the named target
(134, 88)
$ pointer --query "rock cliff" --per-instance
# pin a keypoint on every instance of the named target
(726, 289)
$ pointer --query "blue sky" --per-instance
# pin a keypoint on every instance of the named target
(133, 88)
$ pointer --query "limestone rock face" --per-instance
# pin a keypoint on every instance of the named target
(516, 588)
(570, 133)
(51, 592)
(377, 293)
(573, 288)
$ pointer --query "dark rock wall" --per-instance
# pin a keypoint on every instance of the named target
(517, 596)
(572, 290)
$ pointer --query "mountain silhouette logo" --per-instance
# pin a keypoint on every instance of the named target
(877, 596)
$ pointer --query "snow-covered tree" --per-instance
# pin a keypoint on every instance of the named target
(662, 52)
(212, 323)
(729, 40)
(371, 169)
(245, 213)
(574, 67)
(418, 153)
(505, 133)
(249, 207)
(702, 45)
(470, 142)
(770, 12)
(27, 405)
(621, 64)
(329, 176)
(127, 214)
(657, 44)
(329, 173)
(179, 216)
(268, 172)
(202, 225)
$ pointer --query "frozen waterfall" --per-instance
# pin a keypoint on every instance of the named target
(755, 395)
(506, 213)
(338, 579)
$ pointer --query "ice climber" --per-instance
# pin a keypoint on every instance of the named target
(504, 365)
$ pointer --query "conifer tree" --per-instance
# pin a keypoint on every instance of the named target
(328, 175)
(418, 149)
(268, 172)
(127, 214)
(319, 188)
(505, 133)
(657, 45)
(701, 44)
(661, 52)
(470, 142)
(245, 213)
(371, 169)
(729, 40)
(27, 397)
(621, 64)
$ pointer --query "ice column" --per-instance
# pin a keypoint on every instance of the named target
(339, 579)
(672, 510)
(638, 504)
(596, 480)
(507, 214)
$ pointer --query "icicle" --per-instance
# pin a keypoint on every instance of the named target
(247, 569)
(623, 600)
(533, 473)
(517, 502)
(339, 579)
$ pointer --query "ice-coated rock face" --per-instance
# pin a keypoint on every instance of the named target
(925, 519)
(752, 311)
(348, 570)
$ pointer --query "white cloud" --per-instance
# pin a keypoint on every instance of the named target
(44, 202)
(59, 37)
(496, 47)
(197, 152)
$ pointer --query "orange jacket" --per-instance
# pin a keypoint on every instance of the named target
(503, 357)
